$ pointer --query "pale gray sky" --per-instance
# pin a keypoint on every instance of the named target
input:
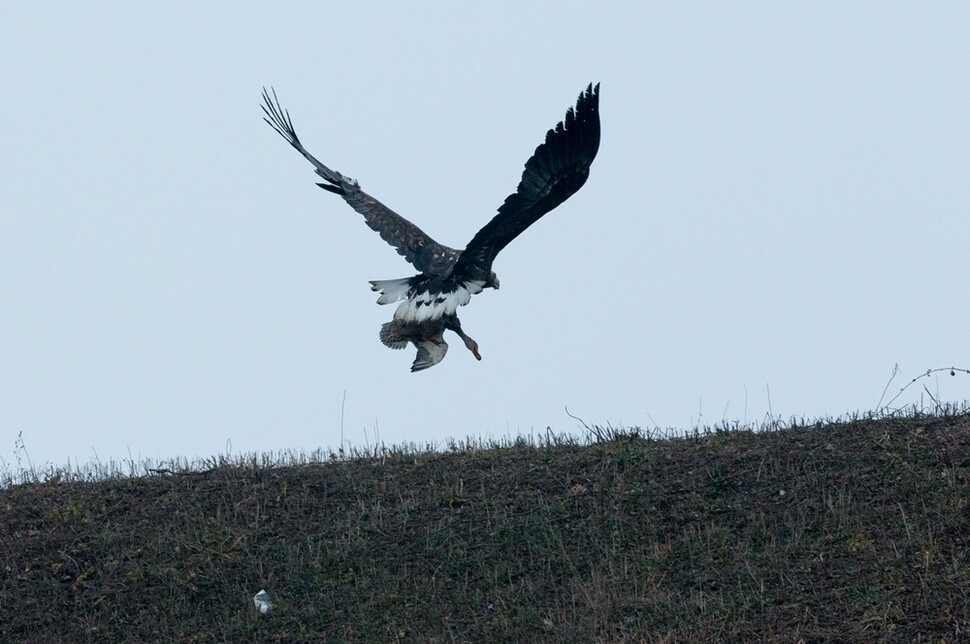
(780, 201)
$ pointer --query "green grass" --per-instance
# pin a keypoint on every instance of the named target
(845, 531)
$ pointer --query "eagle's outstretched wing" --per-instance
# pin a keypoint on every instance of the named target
(558, 168)
(427, 255)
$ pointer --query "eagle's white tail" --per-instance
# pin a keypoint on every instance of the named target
(391, 290)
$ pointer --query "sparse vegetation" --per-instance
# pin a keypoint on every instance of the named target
(846, 531)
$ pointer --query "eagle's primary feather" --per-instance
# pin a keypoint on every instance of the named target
(449, 277)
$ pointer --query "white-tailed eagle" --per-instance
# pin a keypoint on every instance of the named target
(449, 277)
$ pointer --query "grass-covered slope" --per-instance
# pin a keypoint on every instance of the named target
(856, 531)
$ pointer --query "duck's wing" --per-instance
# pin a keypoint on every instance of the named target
(430, 353)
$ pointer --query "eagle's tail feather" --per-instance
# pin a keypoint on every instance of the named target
(391, 290)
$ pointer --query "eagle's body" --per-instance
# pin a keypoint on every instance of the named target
(449, 277)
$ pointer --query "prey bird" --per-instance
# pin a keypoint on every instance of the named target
(448, 277)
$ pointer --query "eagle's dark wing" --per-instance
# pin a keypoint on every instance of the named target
(559, 167)
(427, 255)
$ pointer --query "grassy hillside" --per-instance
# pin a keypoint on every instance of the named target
(856, 531)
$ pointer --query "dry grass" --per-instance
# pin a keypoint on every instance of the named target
(844, 531)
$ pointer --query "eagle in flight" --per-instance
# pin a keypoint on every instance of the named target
(448, 277)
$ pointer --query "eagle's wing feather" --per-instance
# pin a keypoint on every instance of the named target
(417, 247)
(558, 168)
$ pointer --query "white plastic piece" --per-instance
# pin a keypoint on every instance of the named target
(261, 601)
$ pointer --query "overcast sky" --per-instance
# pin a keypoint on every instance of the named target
(779, 204)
